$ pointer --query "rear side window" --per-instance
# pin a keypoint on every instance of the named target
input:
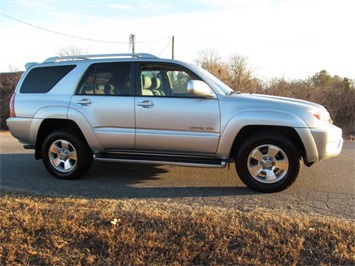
(43, 79)
(107, 79)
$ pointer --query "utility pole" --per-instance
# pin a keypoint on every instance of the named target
(172, 47)
(131, 41)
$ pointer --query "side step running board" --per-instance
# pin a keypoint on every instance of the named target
(153, 159)
(29, 147)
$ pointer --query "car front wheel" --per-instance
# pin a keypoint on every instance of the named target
(268, 162)
(66, 155)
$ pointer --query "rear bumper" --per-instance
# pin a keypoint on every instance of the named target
(22, 129)
(328, 140)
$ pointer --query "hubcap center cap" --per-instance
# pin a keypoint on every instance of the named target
(268, 162)
(64, 154)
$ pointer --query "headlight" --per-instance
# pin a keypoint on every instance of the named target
(321, 115)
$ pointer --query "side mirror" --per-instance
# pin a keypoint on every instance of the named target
(200, 88)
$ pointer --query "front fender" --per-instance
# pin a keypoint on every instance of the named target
(231, 128)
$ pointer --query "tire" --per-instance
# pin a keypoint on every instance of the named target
(268, 162)
(66, 155)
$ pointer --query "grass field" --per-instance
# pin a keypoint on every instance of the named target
(67, 231)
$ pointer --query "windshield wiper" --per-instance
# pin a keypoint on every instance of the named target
(232, 92)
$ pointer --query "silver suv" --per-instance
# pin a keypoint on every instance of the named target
(138, 108)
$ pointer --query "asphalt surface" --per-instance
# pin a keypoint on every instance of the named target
(326, 188)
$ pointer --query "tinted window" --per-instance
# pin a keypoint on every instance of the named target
(106, 79)
(43, 79)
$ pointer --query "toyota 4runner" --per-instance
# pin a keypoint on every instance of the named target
(138, 108)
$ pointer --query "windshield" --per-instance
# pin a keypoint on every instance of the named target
(223, 87)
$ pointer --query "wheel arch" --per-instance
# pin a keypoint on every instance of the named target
(249, 130)
(48, 126)
(248, 122)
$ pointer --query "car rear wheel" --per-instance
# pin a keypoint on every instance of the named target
(268, 162)
(66, 155)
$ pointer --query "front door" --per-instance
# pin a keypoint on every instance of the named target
(168, 119)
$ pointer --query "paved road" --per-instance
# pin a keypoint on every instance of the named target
(326, 188)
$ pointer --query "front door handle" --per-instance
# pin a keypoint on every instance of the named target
(84, 102)
(146, 104)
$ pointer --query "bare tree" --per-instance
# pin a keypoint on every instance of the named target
(337, 94)
(239, 70)
(13, 68)
(240, 75)
(71, 50)
(210, 60)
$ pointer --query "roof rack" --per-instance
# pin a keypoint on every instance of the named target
(90, 56)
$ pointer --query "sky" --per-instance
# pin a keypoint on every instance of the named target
(291, 39)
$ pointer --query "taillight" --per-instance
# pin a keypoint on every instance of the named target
(12, 106)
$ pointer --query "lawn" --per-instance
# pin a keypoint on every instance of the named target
(68, 231)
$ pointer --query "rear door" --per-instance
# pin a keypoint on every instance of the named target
(105, 97)
(168, 119)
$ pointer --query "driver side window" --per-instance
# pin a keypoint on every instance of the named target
(178, 81)
(165, 80)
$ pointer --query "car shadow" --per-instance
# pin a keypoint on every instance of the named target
(22, 173)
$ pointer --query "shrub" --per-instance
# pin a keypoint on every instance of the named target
(8, 82)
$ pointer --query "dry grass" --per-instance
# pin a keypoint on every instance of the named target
(47, 231)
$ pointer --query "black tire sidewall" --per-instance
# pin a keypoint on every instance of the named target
(278, 140)
(84, 154)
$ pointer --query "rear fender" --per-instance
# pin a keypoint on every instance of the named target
(86, 129)
(51, 112)
(66, 114)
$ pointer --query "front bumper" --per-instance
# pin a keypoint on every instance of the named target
(328, 140)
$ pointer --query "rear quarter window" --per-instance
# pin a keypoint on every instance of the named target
(43, 79)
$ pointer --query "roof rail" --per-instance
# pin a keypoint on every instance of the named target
(90, 56)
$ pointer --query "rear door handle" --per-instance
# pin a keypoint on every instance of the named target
(146, 104)
(84, 102)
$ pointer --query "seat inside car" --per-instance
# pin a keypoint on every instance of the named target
(109, 89)
(146, 84)
(155, 87)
